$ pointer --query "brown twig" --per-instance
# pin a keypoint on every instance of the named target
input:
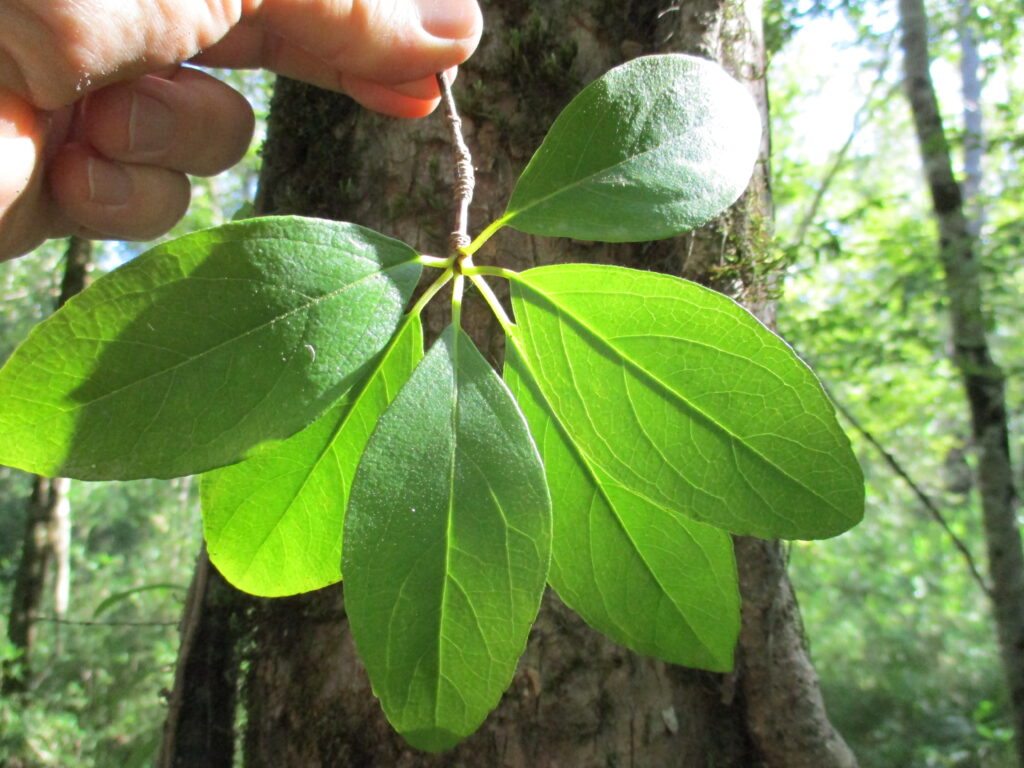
(84, 623)
(464, 181)
(864, 115)
(922, 496)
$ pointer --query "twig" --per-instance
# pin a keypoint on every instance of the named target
(83, 623)
(924, 498)
(464, 181)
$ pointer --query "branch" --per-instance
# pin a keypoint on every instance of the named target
(922, 496)
(76, 622)
(864, 115)
(464, 181)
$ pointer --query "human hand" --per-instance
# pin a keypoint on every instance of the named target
(99, 124)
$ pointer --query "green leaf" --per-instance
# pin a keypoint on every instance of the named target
(194, 353)
(649, 579)
(684, 399)
(447, 546)
(657, 146)
(273, 522)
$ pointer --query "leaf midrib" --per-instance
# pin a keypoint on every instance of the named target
(448, 534)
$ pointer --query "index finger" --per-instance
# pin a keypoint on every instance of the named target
(389, 42)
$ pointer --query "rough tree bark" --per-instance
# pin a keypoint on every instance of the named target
(46, 542)
(577, 698)
(983, 380)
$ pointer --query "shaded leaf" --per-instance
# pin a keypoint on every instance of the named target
(199, 350)
(447, 545)
(273, 523)
(654, 147)
(683, 398)
(648, 578)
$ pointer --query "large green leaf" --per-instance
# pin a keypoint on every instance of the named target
(273, 522)
(684, 399)
(202, 348)
(654, 147)
(648, 578)
(447, 546)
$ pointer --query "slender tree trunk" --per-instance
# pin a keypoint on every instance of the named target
(77, 263)
(974, 134)
(983, 380)
(30, 581)
(60, 541)
(577, 699)
(199, 731)
(47, 536)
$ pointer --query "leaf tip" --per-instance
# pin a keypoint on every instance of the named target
(432, 740)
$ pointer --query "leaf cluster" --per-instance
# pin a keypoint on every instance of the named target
(639, 421)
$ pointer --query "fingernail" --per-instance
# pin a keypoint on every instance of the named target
(150, 126)
(109, 184)
(450, 19)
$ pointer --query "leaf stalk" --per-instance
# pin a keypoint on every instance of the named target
(429, 294)
(493, 302)
(457, 291)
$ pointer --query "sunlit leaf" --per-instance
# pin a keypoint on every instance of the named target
(273, 522)
(684, 399)
(648, 578)
(657, 146)
(202, 348)
(447, 545)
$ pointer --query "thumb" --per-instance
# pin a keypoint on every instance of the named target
(21, 145)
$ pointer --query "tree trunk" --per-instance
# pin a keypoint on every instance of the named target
(30, 582)
(577, 699)
(974, 134)
(47, 537)
(200, 725)
(983, 380)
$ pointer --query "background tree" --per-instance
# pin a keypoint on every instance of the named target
(983, 381)
(865, 300)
